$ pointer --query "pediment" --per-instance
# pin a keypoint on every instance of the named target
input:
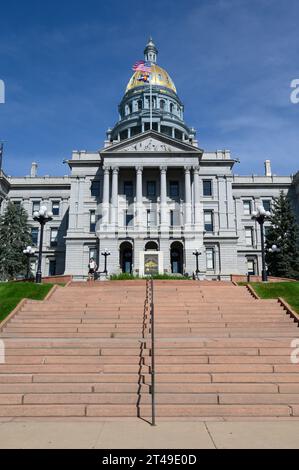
(151, 142)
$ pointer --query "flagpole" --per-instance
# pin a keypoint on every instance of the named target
(151, 103)
(1, 155)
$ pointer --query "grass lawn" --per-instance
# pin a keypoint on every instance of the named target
(289, 291)
(12, 292)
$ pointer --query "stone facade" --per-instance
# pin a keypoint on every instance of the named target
(151, 188)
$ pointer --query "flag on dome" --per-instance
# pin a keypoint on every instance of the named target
(142, 66)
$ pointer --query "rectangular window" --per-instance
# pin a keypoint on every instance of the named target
(171, 218)
(55, 207)
(174, 189)
(54, 234)
(207, 187)
(128, 218)
(210, 257)
(247, 207)
(128, 188)
(92, 221)
(151, 189)
(34, 236)
(251, 267)
(208, 221)
(52, 267)
(267, 204)
(95, 189)
(248, 236)
(93, 253)
(17, 203)
(35, 206)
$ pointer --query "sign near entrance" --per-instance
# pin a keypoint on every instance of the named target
(151, 264)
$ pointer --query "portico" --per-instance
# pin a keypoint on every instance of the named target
(151, 196)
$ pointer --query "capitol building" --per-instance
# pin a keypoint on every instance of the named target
(151, 196)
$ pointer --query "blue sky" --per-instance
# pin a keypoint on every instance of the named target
(66, 64)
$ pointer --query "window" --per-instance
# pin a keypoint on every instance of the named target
(210, 257)
(171, 107)
(34, 236)
(128, 218)
(95, 189)
(267, 204)
(208, 221)
(93, 253)
(248, 236)
(53, 238)
(174, 189)
(139, 104)
(92, 221)
(171, 214)
(35, 206)
(162, 104)
(247, 207)
(207, 187)
(251, 267)
(151, 189)
(55, 207)
(52, 267)
(17, 203)
(128, 188)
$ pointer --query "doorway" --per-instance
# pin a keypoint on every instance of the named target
(176, 258)
(126, 257)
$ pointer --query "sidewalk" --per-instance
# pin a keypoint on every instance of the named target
(78, 434)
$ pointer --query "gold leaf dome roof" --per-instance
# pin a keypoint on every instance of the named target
(159, 77)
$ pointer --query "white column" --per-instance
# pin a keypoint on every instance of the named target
(114, 198)
(105, 203)
(197, 206)
(163, 197)
(187, 196)
(139, 205)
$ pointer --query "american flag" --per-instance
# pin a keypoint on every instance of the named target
(142, 66)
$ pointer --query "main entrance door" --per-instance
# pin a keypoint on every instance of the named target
(176, 258)
(126, 257)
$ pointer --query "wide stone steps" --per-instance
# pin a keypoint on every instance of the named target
(86, 352)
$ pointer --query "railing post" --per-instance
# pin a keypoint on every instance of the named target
(153, 385)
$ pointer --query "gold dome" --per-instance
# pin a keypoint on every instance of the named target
(159, 77)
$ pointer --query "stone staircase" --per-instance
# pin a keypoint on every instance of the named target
(85, 352)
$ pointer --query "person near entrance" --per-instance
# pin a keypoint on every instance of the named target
(92, 269)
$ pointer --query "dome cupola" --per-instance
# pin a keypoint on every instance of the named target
(151, 102)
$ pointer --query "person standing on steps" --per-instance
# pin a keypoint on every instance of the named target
(92, 268)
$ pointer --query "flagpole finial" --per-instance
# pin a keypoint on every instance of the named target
(150, 51)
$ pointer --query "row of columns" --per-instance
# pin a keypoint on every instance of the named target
(163, 196)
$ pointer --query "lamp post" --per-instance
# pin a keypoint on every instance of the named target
(260, 215)
(197, 253)
(105, 253)
(42, 217)
(29, 252)
(274, 249)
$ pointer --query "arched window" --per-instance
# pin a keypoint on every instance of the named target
(162, 104)
(151, 246)
(139, 105)
(130, 108)
(171, 107)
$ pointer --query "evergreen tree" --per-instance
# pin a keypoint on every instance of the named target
(14, 237)
(284, 234)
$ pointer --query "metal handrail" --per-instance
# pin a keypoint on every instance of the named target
(153, 377)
